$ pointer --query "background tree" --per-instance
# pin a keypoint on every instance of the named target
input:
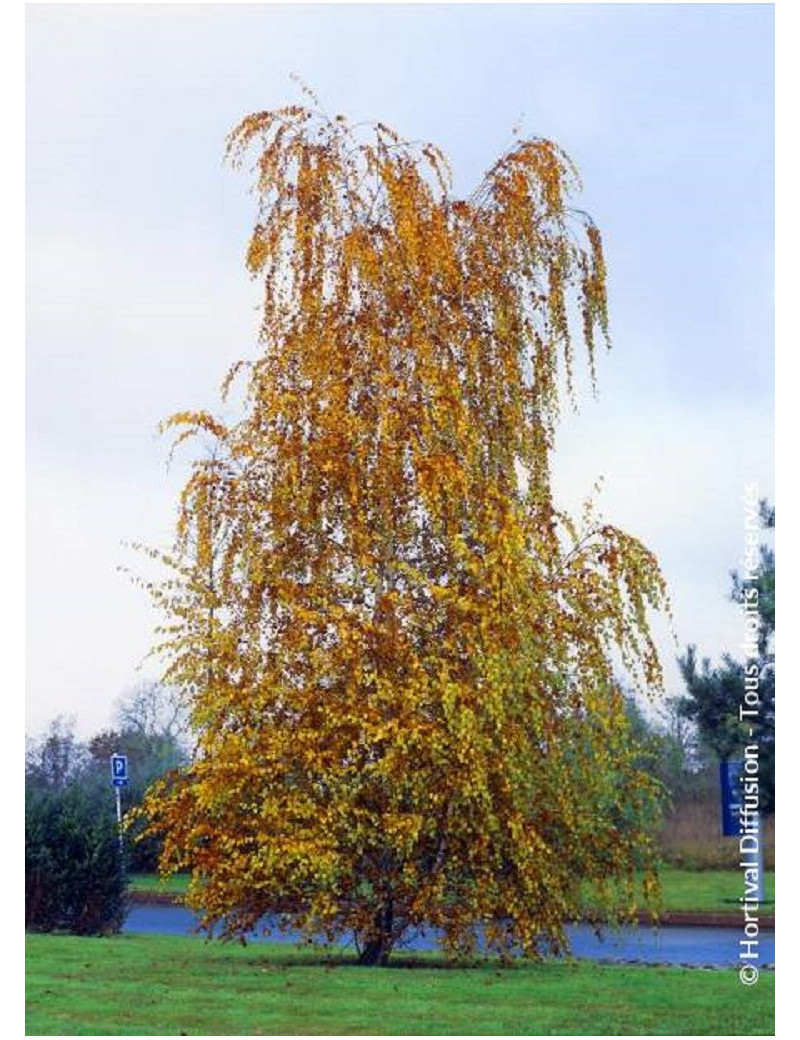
(714, 698)
(55, 758)
(668, 748)
(715, 695)
(154, 710)
(397, 651)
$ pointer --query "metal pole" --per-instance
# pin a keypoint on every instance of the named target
(760, 860)
(119, 820)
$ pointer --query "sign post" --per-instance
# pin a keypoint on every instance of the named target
(119, 779)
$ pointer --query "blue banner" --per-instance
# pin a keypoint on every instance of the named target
(730, 784)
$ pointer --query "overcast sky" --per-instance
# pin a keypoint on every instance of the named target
(137, 298)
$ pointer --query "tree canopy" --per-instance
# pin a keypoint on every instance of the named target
(398, 652)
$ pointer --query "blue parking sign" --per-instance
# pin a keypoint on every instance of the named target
(119, 770)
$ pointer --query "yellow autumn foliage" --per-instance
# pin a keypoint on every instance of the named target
(399, 655)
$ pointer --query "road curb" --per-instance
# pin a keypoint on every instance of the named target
(702, 919)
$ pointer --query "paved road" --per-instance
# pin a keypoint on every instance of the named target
(716, 947)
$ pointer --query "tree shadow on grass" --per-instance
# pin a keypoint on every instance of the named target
(426, 961)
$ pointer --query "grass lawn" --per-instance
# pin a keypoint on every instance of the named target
(165, 985)
(717, 890)
(704, 890)
(707, 890)
(174, 886)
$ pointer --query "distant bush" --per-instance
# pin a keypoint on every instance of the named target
(74, 879)
(691, 836)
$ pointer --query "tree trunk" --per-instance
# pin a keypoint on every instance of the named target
(378, 946)
(375, 952)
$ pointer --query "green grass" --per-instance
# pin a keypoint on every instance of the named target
(716, 890)
(703, 890)
(706, 891)
(164, 985)
(174, 886)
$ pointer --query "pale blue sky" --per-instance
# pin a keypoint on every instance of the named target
(138, 301)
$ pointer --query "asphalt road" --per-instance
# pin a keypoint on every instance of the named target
(710, 947)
